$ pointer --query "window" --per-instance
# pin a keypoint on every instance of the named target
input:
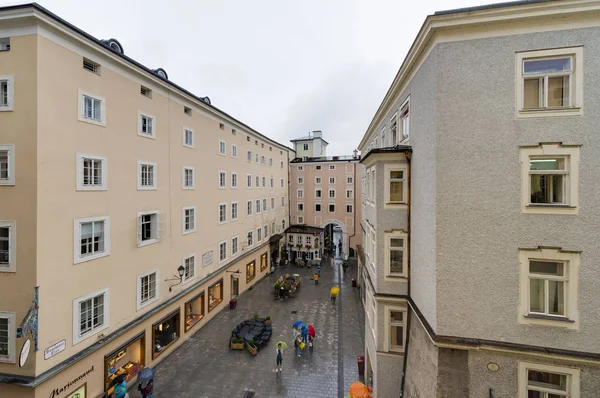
(222, 148)
(281, 182)
(7, 336)
(187, 111)
(146, 125)
(250, 271)
(332, 193)
(405, 120)
(234, 182)
(8, 255)
(272, 203)
(349, 180)
(317, 167)
(5, 44)
(233, 131)
(188, 178)
(256, 143)
(234, 245)
(300, 180)
(305, 147)
(548, 381)
(549, 283)
(222, 213)
(396, 320)
(266, 231)
(331, 208)
(257, 181)
(262, 160)
(395, 188)
(221, 126)
(257, 206)
(146, 172)
(249, 208)
(194, 311)
(250, 243)
(291, 239)
(248, 180)
(318, 207)
(317, 180)
(300, 206)
(332, 167)
(222, 251)
(91, 66)
(258, 234)
(272, 182)
(396, 258)
(189, 219)
(332, 180)
(550, 179)
(248, 138)
(91, 172)
(91, 315)
(264, 204)
(234, 211)
(92, 108)
(147, 288)
(188, 138)
(7, 164)
(300, 168)
(349, 193)
(189, 267)
(282, 164)
(145, 91)
(215, 295)
(318, 193)
(300, 219)
(7, 94)
(300, 193)
(283, 201)
(270, 162)
(349, 208)
(256, 158)
(394, 129)
(264, 182)
(234, 151)
(249, 156)
(92, 238)
(147, 227)
(222, 180)
(308, 240)
(550, 82)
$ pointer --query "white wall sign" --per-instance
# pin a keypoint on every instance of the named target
(207, 258)
(24, 353)
(55, 349)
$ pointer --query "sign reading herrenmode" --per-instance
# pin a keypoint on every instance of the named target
(55, 349)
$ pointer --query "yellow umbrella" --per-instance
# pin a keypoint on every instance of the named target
(358, 390)
(335, 291)
(283, 344)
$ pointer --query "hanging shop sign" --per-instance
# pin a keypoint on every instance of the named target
(55, 349)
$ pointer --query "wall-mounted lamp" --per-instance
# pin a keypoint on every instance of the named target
(180, 271)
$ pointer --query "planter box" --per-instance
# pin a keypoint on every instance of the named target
(237, 346)
(252, 350)
(268, 321)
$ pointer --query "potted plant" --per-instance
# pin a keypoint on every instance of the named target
(255, 316)
(252, 348)
(267, 320)
(237, 343)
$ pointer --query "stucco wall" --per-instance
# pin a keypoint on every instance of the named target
(389, 375)
(479, 222)
(422, 363)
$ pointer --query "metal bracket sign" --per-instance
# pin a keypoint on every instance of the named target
(29, 324)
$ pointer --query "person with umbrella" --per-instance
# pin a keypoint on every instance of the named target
(311, 336)
(146, 375)
(304, 331)
(279, 351)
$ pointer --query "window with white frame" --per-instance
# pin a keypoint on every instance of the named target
(256, 158)
(547, 285)
(264, 205)
(266, 231)
(92, 238)
(349, 208)
(233, 151)
(300, 219)
(7, 164)
(332, 180)
(539, 380)
(258, 234)
(262, 160)
(281, 164)
(318, 207)
(349, 193)
(222, 213)
(281, 182)
(283, 201)
(300, 168)
(234, 182)
(300, 206)
(234, 211)
(396, 318)
(188, 178)
(147, 175)
(308, 240)
(249, 208)
(405, 120)
(7, 93)
(264, 182)
(92, 108)
(305, 147)
(91, 172)
(550, 179)
(222, 180)
(291, 239)
(257, 181)
(349, 180)
(189, 219)
(272, 203)
(394, 129)
(188, 138)
(234, 245)
(396, 257)
(249, 236)
(248, 180)
(318, 193)
(300, 193)
(8, 253)
(332, 193)
(146, 125)
(147, 288)
(272, 182)
(270, 162)
(91, 315)
(300, 180)
(147, 227)
(318, 180)
(249, 156)
(396, 184)
(222, 251)
(7, 336)
(257, 206)
(189, 267)
(332, 167)
(332, 208)
(222, 148)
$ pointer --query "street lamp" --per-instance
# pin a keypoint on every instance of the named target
(180, 271)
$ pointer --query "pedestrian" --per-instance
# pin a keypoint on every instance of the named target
(279, 352)
(310, 342)
(319, 270)
(146, 391)
(298, 346)
(304, 331)
(316, 278)
(281, 293)
(120, 390)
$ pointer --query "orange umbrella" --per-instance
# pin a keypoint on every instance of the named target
(358, 390)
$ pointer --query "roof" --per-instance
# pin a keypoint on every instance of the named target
(309, 138)
(490, 6)
(342, 158)
(391, 149)
(303, 229)
(200, 100)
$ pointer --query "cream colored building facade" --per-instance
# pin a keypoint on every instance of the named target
(113, 181)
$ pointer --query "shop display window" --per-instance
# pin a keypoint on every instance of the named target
(194, 311)
(215, 295)
(128, 359)
(165, 333)
(250, 271)
(263, 262)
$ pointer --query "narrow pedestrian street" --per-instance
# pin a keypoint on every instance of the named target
(204, 366)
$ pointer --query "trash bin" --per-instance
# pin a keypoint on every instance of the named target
(232, 303)
(360, 361)
(353, 282)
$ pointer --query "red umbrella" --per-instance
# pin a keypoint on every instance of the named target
(311, 331)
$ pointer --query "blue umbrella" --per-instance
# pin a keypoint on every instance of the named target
(145, 374)
(297, 323)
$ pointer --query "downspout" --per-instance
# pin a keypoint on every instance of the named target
(408, 317)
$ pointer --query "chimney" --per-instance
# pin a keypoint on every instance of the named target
(317, 134)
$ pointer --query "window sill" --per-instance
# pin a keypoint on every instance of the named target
(191, 231)
(147, 303)
(7, 182)
(549, 318)
(188, 280)
(551, 205)
(188, 146)
(83, 188)
(140, 188)
(79, 339)
(398, 277)
(549, 112)
(150, 136)
(148, 242)
(8, 108)
(8, 268)
(95, 122)
(188, 188)
(91, 257)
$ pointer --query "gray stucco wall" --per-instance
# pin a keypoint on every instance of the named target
(422, 363)
(389, 375)
(479, 222)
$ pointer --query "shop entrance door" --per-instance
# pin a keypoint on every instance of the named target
(235, 286)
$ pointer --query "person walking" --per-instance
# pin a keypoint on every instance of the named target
(120, 390)
(146, 391)
(279, 358)
(319, 270)
(298, 346)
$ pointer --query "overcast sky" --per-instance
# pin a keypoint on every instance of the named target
(283, 67)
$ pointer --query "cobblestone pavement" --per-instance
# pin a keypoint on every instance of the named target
(204, 366)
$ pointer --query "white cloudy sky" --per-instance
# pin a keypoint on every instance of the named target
(284, 67)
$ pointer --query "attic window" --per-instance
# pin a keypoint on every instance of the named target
(221, 126)
(270, 149)
(255, 142)
(262, 145)
(187, 111)
(248, 138)
(91, 66)
(5, 44)
(146, 92)
(233, 131)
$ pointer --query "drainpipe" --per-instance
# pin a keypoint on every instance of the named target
(408, 317)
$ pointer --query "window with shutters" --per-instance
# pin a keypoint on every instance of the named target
(91, 315)
(7, 164)
(188, 178)
(6, 93)
(8, 255)
(7, 336)
(147, 175)
(147, 289)
(92, 238)
(146, 126)
(189, 267)
(147, 227)
(92, 108)
(189, 219)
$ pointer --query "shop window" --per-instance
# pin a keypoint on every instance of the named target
(126, 360)
(263, 262)
(194, 311)
(250, 271)
(215, 295)
(165, 333)
(235, 286)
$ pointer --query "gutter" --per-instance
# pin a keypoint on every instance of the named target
(408, 317)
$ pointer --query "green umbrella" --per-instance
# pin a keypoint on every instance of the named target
(283, 344)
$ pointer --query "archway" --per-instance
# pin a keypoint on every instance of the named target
(335, 237)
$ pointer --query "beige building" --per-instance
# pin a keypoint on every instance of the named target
(135, 209)
(479, 262)
(323, 194)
